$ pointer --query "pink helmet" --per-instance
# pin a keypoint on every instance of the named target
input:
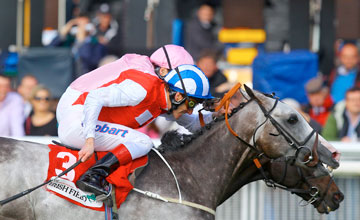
(177, 55)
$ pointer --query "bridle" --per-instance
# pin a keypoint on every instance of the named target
(312, 191)
(292, 141)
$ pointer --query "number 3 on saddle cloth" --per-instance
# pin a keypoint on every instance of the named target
(61, 158)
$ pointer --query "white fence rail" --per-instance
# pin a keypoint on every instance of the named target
(256, 201)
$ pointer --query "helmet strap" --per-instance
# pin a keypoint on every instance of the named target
(167, 57)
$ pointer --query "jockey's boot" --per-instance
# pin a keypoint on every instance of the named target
(94, 179)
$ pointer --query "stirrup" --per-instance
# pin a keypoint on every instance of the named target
(106, 198)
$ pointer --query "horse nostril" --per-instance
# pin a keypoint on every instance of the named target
(338, 197)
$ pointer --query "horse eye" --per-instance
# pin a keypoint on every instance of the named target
(293, 119)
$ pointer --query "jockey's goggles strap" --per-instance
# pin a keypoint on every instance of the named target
(174, 104)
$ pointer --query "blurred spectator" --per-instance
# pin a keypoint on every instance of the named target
(346, 74)
(72, 9)
(207, 63)
(78, 34)
(200, 32)
(296, 105)
(320, 102)
(344, 122)
(106, 27)
(42, 121)
(27, 84)
(11, 110)
(108, 59)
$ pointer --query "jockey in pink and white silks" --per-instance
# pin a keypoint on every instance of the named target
(100, 110)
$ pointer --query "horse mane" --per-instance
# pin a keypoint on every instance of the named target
(174, 141)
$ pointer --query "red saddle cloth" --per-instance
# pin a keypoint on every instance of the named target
(61, 158)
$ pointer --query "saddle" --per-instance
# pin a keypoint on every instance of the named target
(62, 157)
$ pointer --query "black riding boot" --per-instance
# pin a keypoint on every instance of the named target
(94, 180)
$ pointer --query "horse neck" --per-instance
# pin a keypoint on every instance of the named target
(249, 173)
(209, 162)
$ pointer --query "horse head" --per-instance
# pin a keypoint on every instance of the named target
(315, 185)
(283, 131)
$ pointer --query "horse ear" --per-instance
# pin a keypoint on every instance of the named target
(315, 157)
(251, 93)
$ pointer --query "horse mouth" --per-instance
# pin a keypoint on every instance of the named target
(324, 208)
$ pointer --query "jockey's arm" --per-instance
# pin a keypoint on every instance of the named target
(191, 122)
(127, 93)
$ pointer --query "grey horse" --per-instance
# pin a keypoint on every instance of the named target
(204, 166)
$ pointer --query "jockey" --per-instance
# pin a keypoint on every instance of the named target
(101, 109)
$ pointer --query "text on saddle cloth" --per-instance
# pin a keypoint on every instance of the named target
(61, 158)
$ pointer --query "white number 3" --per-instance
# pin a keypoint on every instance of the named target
(72, 159)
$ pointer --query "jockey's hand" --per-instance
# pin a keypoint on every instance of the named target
(87, 150)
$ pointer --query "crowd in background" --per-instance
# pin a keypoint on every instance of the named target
(333, 107)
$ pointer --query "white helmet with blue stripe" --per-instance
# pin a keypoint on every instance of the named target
(195, 82)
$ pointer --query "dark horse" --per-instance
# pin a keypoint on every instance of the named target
(207, 167)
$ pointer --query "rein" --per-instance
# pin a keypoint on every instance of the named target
(225, 102)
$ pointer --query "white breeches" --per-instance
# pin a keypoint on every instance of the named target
(107, 135)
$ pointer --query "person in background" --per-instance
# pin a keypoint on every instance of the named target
(11, 110)
(106, 27)
(27, 84)
(344, 122)
(207, 63)
(200, 31)
(108, 59)
(320, 102)
(78, 33)
(346, 75)
(42, 121)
